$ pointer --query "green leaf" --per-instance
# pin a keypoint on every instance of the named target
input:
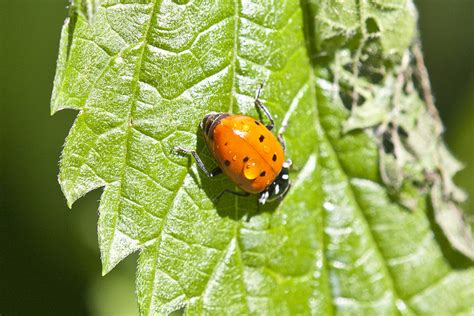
(352, 23)
(143, 74)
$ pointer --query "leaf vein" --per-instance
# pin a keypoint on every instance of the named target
(130, 114)
(378, 250)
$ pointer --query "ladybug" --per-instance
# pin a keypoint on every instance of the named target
(247, 152)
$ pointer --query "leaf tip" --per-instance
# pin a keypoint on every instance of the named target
(68, 194)
(53, 109)
(105, 270)
(451, 220)
(115, 246)
(69, 203)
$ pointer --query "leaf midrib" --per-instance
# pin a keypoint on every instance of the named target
(133, 104)
(378, 250)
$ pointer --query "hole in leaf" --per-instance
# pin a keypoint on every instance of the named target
(371, 26)
(402, 132)
(418, 184)
(387, 143)
(346, 100)
(360, 99)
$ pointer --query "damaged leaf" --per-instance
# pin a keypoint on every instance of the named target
(352, 23)
(87, 8)
(451, 219)
(413, 158)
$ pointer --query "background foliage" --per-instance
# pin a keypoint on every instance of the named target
(41, 252)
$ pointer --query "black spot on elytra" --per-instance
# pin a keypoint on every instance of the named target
(261, 138)
(263, 173)
(226, 143)
(227, 163)
(257, 122)
(274, 158)
(246, 159)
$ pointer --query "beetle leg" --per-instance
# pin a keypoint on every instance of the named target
(259, 89)
(264, 109)
(216, 171)
(282, 130)
(218, 197)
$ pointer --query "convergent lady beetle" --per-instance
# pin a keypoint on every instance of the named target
(247, 152)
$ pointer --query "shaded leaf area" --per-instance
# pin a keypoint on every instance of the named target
(380, 86)
(375, 194)
(142, 74)
(413, 158)
(382, 258)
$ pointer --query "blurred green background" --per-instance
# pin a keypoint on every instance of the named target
(49, 258)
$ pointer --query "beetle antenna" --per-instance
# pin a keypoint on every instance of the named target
(257, 94)
(259, 89)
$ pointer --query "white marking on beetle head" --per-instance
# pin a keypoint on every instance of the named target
(277, 189)
(287, 164)
(263, 198)
(285, 177)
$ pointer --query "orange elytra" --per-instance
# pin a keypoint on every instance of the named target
(247, 152)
